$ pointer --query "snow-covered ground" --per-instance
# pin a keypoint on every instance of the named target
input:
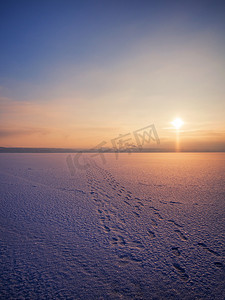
(145, 226)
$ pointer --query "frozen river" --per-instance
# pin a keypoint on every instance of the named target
(144, 226)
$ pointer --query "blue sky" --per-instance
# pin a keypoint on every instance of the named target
(38, 35)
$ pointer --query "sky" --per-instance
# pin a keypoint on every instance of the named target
(76, 73)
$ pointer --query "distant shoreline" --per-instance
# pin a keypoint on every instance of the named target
(69, 150)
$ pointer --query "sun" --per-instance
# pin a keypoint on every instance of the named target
(177, 123)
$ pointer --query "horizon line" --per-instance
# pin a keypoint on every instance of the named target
(111, 150)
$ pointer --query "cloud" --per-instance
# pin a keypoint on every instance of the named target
(203, 133)
(22, 132)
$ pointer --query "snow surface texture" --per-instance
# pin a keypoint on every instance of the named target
(145, 226)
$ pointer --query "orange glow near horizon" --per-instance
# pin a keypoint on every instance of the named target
(62, 124)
